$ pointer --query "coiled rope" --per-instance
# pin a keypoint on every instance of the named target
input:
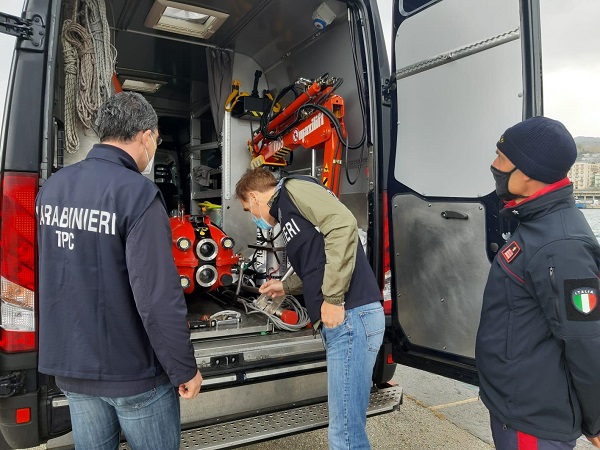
(89, 64)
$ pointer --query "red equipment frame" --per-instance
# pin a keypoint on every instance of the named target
(314, 131)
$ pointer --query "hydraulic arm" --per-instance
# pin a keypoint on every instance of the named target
(314, 120)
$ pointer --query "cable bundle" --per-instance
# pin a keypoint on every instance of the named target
(290, 303)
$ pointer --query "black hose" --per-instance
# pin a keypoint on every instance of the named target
(268, 116)
(361, 99)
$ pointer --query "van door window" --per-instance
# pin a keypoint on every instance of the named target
(570, 64)
(458, 88)
(7, 46)
(410, 6)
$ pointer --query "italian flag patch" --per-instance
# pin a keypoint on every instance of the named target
(581, 299)
(584, 300)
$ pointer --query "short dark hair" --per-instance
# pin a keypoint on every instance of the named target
(123, 116)
(259, 179)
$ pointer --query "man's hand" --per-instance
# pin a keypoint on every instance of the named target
(332, 315)
(274, 288)
(595, 441)
(191, 388)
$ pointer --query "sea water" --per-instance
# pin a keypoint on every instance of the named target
(593, 218)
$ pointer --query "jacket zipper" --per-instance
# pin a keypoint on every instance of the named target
(554, 288)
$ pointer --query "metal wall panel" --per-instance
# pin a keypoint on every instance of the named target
(441, 268)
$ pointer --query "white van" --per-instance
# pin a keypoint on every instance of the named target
(408, 151)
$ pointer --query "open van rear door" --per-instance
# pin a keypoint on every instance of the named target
(464, 70)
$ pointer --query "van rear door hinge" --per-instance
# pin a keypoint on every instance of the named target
(32, 29)
(388, 85)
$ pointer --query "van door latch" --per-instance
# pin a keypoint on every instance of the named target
(454, 215)
(388, 86)
(32, 29)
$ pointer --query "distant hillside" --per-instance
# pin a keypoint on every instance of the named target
(587, 144)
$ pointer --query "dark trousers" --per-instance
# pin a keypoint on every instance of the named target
(506, 438)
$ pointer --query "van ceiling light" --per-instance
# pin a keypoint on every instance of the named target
(180, 18)
(141, 85)
(189, 16)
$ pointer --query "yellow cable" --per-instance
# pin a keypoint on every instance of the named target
(208, 205)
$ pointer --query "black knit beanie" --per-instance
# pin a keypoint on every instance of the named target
(541, 148)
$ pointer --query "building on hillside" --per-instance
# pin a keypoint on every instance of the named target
(583, 175)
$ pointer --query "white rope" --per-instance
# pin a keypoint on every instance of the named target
(78, 38)
(71, 70)
(97, 24)
(89, 65)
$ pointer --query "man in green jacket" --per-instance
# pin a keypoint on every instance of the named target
(340, 291)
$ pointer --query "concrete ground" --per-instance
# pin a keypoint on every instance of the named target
(437, 413)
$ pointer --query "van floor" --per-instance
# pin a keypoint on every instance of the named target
(251, 344)
(202, 306)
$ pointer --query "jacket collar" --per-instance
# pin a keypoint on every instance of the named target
(274, 200)
(553, 197)
(113, 154)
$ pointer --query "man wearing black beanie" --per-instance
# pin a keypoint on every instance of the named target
(538, 343)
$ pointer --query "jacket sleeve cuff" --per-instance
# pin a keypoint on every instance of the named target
(586, 433)
(184, 377)
(334, 299)
(292, 285)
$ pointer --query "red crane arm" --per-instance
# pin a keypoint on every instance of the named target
(315, 131)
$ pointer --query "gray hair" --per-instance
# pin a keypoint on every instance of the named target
(123, 116)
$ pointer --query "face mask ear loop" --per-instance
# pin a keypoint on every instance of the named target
(251, 202)
(257, 204)
(260, 212)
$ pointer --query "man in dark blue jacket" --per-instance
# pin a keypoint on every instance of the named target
(112, 313)
(538, 344)
(339, 287)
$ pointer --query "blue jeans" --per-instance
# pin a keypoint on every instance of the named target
(351, 352)
(150, 421)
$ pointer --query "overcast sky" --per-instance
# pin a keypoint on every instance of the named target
(571, 59)
(385, 13)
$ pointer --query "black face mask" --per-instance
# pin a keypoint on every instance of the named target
(501, 179)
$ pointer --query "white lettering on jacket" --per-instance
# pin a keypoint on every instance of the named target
(290, 229)
(92, 220)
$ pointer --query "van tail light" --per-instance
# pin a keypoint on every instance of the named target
(387, 273)
(17, 262)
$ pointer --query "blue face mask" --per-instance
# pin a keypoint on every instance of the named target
(261, 223)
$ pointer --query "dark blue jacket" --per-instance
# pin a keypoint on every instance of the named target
(305, 249)
(538, 344)
(112, 312)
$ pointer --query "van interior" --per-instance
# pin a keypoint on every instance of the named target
(218, 72)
